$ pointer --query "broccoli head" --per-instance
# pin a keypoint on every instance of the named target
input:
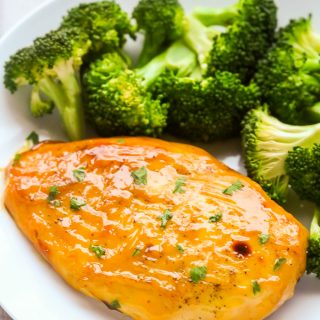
(162, 23)
(120, 101)
(272, 156)
(289, 75)
(105, 23)
(245, 40)
(206, 109)
(52, 67)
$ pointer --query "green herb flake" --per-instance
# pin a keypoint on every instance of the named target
(278, 264)
(53, 193)
(180, 248)
(97, 250)
(217, 217)
(198, 273)
(264, 238)
(115, 304)
(79, 174)
(165, 218)
(121, 141)
(255, 287)
(233, 188)
(136, 252)
(56, 203)
(33, 137)
(140, 176)
(76, 203)
(16, 158)
(180, 183)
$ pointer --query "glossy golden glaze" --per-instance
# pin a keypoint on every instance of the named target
(121, 216)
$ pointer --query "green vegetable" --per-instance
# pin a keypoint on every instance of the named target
(313, 257)
(140, 176)
(289, 75)
(52, 66)
(165, 218)
(162, 22)
(53, 193)
(105, 23)
(79, 174)
(237, 185)
(217, 217)
(180, 183)
(264, 238)
(97, 250)
(255, 287)
(136, 252)
(277, 154)
(33, 137)
(278, 264)
(198, 273)
(120, 101)
(77, 203)
(16, 159)
(56, 203)
(206, 109)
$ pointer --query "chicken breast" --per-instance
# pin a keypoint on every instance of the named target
(157, 230)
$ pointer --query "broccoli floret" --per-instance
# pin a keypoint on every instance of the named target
(313, 257)
(270, 150)
(123, 104)
(52, 66)
(105, 23)
(162, 22)
(206, 109)
(303, 169)
(289, 75)
(246, 40)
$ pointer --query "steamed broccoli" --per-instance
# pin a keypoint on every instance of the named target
(206, 109)
(119, 100)
(162, 23)
(52, 66)
(249, 33)
(105, 23)
(278, 154)
(289, 75)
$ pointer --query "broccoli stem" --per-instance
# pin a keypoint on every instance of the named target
(216, 16)
(313, 258)
(66, 95)
(149, 50)
(199, 39)
(178, 58)
(312, 114)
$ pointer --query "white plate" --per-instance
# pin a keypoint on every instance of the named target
(29, 288)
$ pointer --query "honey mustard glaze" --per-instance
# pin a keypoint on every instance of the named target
(157, 230)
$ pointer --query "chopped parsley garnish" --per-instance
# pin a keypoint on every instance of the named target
(53, 193)
(33, 137)
(264, 238)
(16, 158)
(97, 250)
(217, 217)
(140, 176)
(198, 273)
(121, 141)
(180, 182)
(79, 174)
(136, 252)
(115, 304)
(180, 248)
(233, 188)
(76, 203)
(255, 287)
(165, 218)
(56, 203)
(278, 264)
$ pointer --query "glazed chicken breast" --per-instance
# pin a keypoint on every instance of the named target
(157, 230)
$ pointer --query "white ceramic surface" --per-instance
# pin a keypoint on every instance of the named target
(29, 288)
